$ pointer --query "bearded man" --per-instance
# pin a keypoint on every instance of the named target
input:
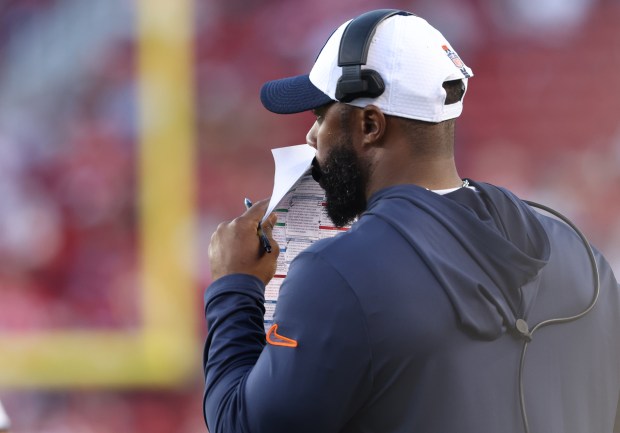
(417, 319)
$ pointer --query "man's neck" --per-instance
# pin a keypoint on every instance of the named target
(433, 174)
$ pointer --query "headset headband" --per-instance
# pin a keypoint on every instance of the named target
(354, 44)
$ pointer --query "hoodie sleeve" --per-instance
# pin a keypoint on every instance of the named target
(312, 374)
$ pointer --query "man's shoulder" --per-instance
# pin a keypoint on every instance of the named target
(370, 243)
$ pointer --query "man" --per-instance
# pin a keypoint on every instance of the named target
(418, 318)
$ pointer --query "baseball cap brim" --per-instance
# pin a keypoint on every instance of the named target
(292, 95)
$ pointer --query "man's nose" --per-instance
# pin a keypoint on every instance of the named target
(311, 135)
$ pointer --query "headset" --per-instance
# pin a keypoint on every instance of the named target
(356, 83)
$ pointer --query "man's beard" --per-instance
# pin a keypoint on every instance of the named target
(344, 181)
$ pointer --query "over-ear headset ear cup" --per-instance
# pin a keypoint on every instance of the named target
(376, 86)
(370, 85)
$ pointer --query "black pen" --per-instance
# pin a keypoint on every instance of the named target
(261, 234)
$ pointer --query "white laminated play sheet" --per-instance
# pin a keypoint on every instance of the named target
(299, 202)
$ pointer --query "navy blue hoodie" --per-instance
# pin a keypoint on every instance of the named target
(406, 323)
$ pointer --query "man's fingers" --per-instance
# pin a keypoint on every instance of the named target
(267, 227)
(271, 220)
(257, 211)
(269, 224)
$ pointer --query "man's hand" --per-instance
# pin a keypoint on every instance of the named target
(236, 248)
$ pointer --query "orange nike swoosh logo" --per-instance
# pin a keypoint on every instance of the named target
(279, 340)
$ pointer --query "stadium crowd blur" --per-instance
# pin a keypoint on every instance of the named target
(542, 117)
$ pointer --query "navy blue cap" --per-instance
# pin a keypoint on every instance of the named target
(292, 95)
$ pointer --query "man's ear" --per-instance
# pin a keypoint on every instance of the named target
(374, 125)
